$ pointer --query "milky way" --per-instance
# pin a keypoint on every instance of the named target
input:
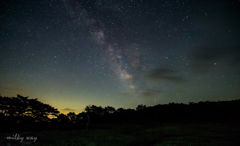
(121, 59)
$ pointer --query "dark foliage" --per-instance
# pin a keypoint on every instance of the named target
(20, 111)
(31, 113)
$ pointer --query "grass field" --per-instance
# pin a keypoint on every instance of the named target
(155, 134)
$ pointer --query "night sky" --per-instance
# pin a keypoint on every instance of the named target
(120, 53)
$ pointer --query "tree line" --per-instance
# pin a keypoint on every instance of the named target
(24, 111)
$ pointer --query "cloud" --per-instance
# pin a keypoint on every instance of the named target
(68, 109)
(150, 92)
(163, 74)
(206, 57)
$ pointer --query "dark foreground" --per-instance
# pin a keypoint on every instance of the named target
(155, 134)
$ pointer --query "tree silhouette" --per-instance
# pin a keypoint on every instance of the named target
(72, 117)
(63, 119)
(94, 112)
(41, 111)
(81, 117)
(88, 109)
(139, 107)
(109, 110)
(20, 107)
(121, 110)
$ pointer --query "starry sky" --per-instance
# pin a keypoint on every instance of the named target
(120, 53)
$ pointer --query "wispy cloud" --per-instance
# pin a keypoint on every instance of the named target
(165, 74)
(68, 109)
